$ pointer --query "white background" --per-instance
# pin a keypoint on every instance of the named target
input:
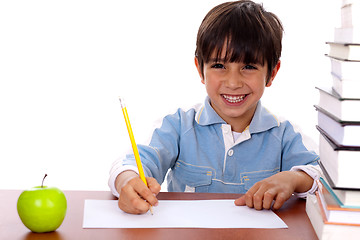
(63, 65)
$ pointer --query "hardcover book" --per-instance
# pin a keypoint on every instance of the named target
(326, 231)
(332, 213)
(345, 109)
(341, 132)
(345, 70)
(344, 51)
(344, 198)
(347, 35)
(346, 88)
(350, 14)
(339, 163)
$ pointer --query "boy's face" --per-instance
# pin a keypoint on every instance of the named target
(234, 89)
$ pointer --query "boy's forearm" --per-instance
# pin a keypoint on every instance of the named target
(303, 182)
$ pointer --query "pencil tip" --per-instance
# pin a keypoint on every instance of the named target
(122, 102)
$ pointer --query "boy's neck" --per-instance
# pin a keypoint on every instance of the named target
(239, 127)
(239, 124)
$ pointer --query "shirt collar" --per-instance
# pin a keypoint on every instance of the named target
(263, 120)
(207, 115)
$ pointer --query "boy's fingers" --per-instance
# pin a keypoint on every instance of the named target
(240, 201)
(254, 196)
(269, 196)
(147, 195)
(153, 185)
(144, 191)
(130, 201)
(138, 196)
(280, 200)
(249, 198)
(258, 199)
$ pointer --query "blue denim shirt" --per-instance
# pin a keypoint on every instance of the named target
(198, 147)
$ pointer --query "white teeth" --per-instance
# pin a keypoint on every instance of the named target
(234, 99)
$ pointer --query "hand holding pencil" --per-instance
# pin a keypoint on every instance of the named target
(138, 194)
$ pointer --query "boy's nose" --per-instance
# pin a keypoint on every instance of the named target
(234, 81)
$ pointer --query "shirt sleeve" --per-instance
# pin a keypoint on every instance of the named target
(296, 157)
(156, 157)
(294, 152)
(115, 170)
(314, 172)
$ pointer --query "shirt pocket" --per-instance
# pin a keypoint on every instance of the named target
(198, 177)
(250, 178)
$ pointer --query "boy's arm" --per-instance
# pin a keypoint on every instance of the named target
(314, 171)
(277, 188)
(157, 156)
(298, 179)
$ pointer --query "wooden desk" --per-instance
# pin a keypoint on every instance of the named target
(292, 213)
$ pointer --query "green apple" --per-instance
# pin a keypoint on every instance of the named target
(42, 208)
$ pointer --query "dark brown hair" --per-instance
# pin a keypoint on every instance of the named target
(248, 32)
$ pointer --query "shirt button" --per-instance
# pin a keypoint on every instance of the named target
(230, 152)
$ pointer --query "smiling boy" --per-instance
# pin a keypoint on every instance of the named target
(231, 143)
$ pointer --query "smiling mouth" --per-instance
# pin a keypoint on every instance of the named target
(234, 98)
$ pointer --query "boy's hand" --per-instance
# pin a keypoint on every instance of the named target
(136, 198)
(278, 188)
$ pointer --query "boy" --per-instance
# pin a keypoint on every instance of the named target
(231, 143)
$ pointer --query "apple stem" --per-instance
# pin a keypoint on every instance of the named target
(42, 183)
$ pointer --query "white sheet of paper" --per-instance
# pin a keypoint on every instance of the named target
(180, 214)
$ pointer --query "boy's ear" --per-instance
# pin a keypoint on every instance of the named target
(273, 74)
(199, 70)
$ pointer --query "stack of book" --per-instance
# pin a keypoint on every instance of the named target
(335, 210)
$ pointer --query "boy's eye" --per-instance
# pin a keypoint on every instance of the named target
(217, 65)
(249, 67)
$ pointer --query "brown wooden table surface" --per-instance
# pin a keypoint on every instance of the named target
(11, 228)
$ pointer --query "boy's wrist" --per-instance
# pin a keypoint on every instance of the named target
(303, 181)
(312, 171)
(123, 178)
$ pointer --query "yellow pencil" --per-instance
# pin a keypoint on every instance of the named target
(134, 146)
